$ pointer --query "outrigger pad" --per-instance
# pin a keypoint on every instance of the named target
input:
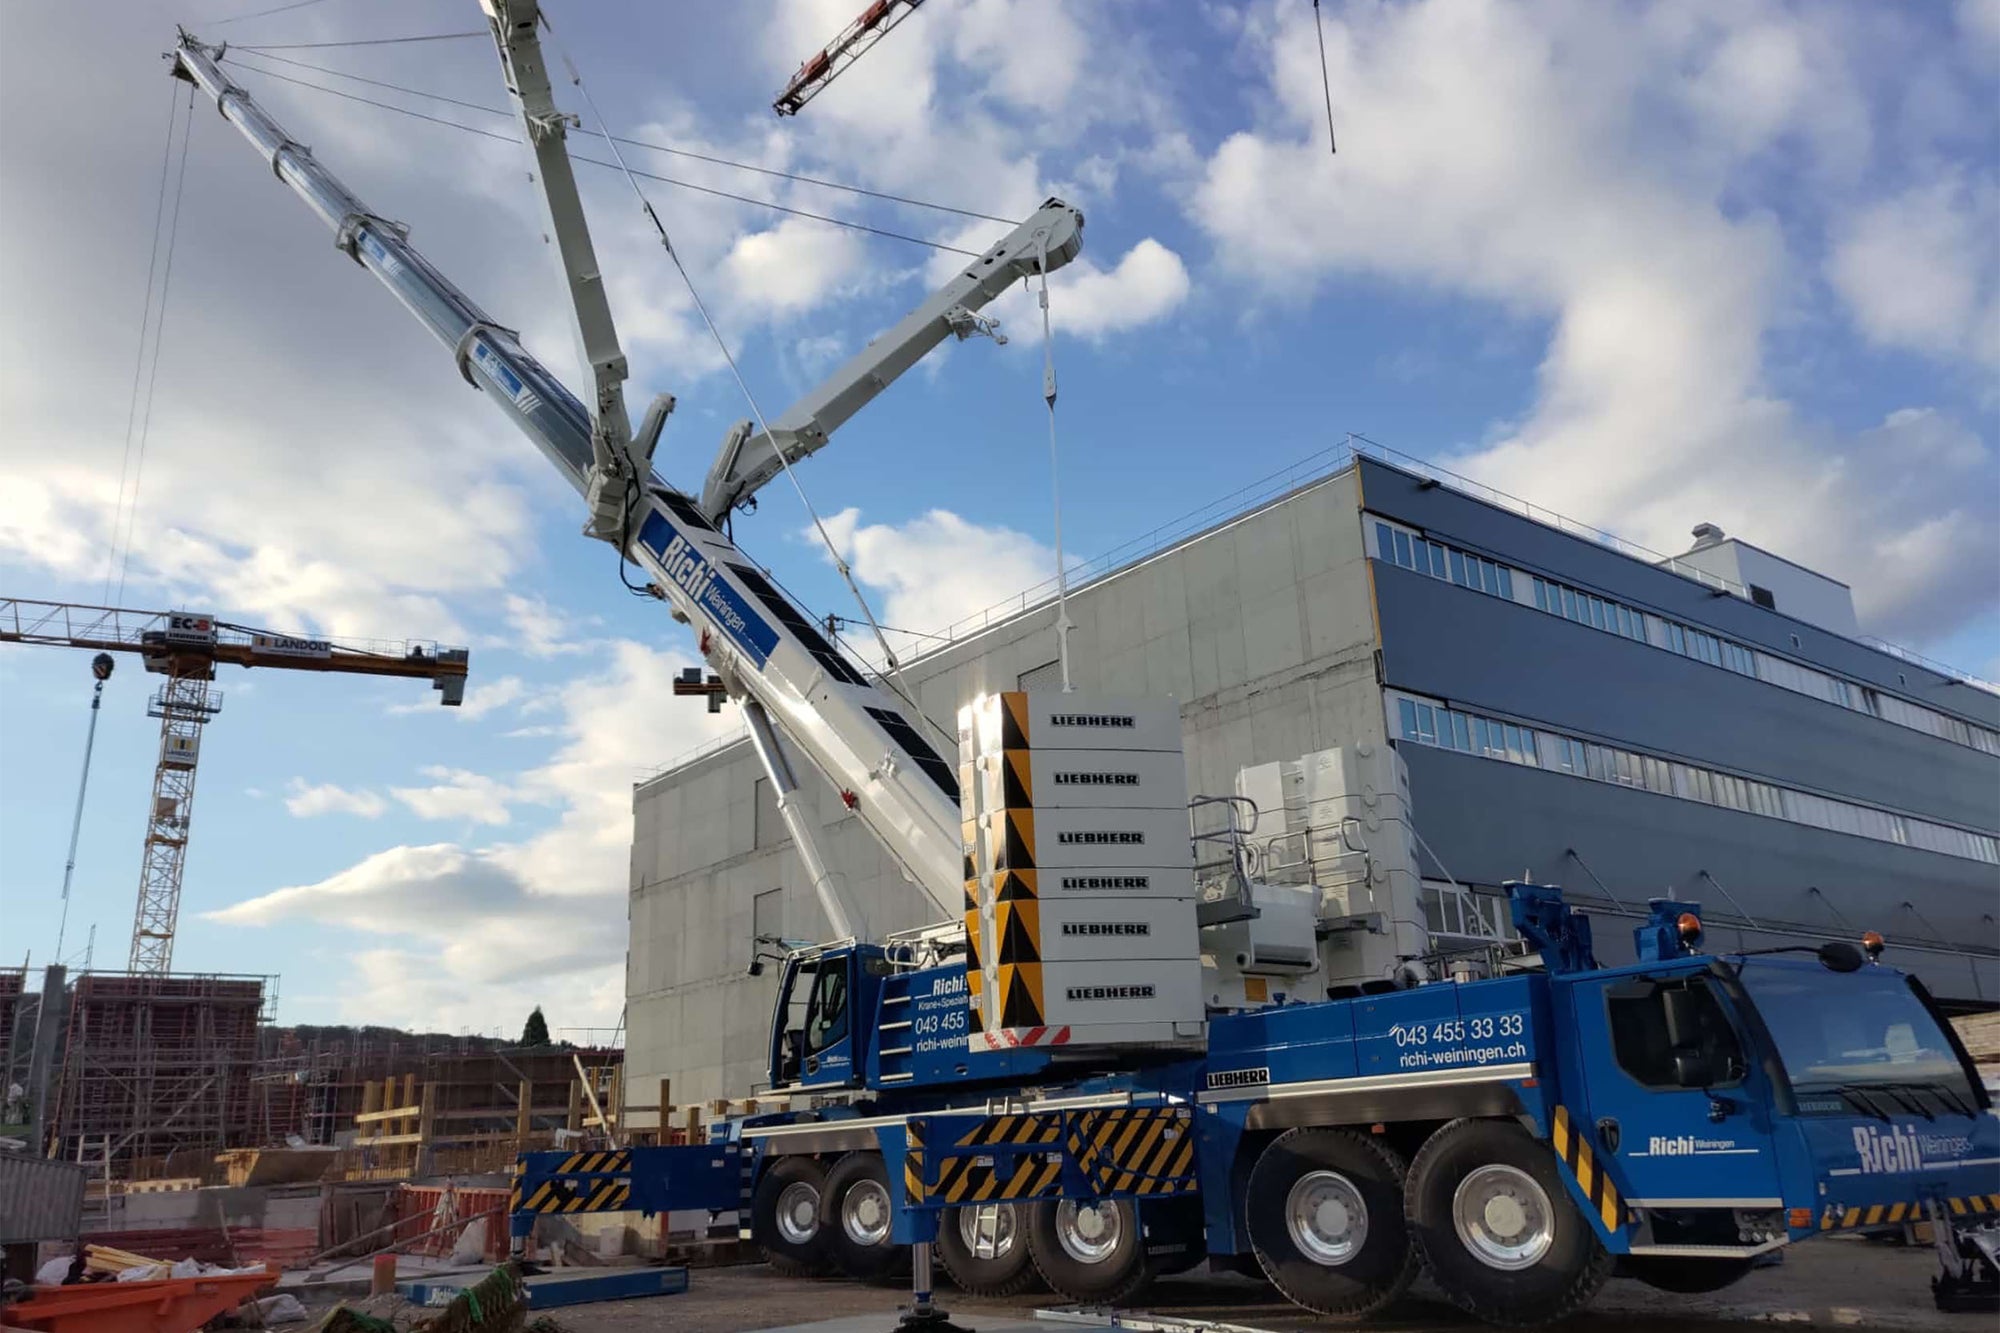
(933, 1320)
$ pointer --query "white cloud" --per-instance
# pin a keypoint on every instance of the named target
(458, 794)
(1922, 270)
(1148, 283)
(479, 930)
(308, 800)
(1519, 154)
(935, 569)
(482, 697)
(792, 267)
(540, 630)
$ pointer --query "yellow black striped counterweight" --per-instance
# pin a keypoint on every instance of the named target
(1595, 1182)
(584, 1182)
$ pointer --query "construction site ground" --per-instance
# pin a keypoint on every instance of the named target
(1834, 1284)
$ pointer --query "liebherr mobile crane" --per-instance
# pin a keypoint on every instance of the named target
(1093, 1070)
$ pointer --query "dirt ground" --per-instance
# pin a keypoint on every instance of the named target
(1833, 1284)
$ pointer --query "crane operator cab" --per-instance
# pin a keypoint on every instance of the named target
(812, 1029)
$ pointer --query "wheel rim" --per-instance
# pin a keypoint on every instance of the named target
(864, 1213)
(1503, 1217)
(1326, 1218)
(987, 1230)
(797, 1214)
(1088, 1232)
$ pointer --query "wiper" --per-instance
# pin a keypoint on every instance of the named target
(1854, 1096)
(1944, 1094)
(1900, 1091)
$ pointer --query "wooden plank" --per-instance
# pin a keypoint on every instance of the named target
(524, 1121)
(389, 1141)
(398, 1113)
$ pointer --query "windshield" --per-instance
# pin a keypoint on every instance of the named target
(1862, 1029)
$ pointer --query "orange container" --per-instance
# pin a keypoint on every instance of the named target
(170, 1305)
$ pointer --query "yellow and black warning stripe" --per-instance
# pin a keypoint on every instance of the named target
(1590, 1176)
(576, 1184)
(1017, 1001)
(1017, 783)
(963, 1180)
(1014, 720)
(1840, 1218)
(913, 1161)
(1013, 839)
(1136, 1150)
(1012, 1129)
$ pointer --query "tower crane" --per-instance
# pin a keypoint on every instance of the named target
(826, 64)
(186, 647)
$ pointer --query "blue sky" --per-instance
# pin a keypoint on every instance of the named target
(1645, 265)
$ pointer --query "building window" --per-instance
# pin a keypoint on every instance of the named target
(1467, 570)
(770, 825)
(1763, 598)
(1424, 722)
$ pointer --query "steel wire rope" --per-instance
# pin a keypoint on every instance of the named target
(262, 13)
(367, 41)
(722, 345)
(139, 354)
(799, 177)
(1325, 79)
(159, 337)
(851, 225)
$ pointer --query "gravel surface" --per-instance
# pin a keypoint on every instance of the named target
(1833, 1284)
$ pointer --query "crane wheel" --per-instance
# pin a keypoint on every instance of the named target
(984, 1250)
(1325, 1208)
(1089, 1250)
(855, 1216)
(1684, 1277)
(785, 1217)
(1495, 1228)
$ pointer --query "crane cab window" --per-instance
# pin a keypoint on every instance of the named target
(826, 1014)
(1673, 1034)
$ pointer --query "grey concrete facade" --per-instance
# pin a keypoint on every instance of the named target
(1279, 634)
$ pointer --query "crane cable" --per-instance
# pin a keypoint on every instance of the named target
(1325, 79)
(1063, 625)
(689, 153)
(666, 243)
(614, 166)
(139, 354)
(153, 373)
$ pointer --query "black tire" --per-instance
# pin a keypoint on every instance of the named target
(1570, 1266)
(787, 1247)
(1685, 1277)
(1061, 1231)
(1007, 1272)
(855, 1216)
(1342, 1193)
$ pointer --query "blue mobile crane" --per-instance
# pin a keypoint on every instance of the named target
(1293, 1075)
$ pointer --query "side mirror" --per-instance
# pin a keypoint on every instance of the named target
(1839, 956)
(1692, 1069)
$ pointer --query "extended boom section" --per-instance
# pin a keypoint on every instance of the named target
(855, 732)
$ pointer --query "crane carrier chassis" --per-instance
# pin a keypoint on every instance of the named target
(1519, 1139)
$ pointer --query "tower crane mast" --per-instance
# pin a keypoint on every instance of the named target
(186, 647)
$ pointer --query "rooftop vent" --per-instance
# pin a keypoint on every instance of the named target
(1706, 534)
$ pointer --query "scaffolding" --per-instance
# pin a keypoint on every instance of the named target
(156, 1065)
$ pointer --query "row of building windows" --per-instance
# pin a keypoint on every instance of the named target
(1404, 548)
(1428, 723)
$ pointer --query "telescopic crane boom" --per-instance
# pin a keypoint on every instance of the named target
(764, 648)
(186, 647)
